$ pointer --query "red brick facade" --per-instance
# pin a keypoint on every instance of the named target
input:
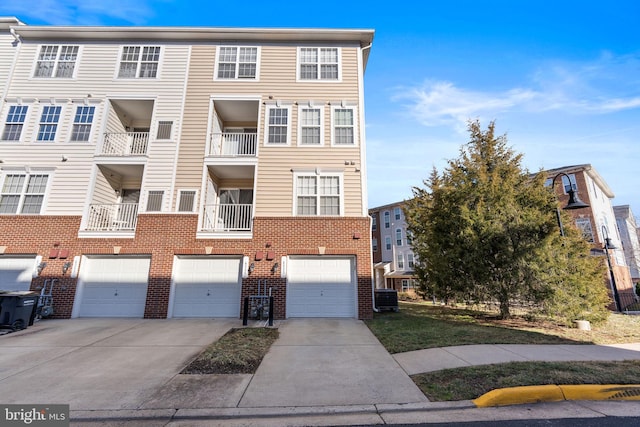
(163, 236)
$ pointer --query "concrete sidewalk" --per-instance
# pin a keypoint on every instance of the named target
(436, 359)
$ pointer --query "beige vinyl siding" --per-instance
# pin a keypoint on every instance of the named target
(95, 80)
(277, 79)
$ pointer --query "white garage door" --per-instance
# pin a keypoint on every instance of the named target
(321, 287)
(16, 273)
(206, 287)
(112, 287)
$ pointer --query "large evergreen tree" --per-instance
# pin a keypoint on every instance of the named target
(485, 229)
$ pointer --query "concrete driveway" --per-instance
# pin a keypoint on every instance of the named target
(121, 364)
(100, 363)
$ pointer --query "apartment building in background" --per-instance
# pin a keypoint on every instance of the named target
(171, 171)
(597, 222)
(393, 257)
(630, 236)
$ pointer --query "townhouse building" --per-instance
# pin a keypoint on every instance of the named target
(172, 171)
(630, 236)
(597, 223)
(393, 257)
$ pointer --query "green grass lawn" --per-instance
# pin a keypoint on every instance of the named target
(424, 325)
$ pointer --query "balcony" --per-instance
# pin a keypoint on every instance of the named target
(112, 217)
(225, 217)
(233, 144)
(123, 144)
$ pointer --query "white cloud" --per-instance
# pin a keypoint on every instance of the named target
(607, 85)
(74, 12)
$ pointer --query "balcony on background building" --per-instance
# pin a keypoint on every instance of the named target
(227, 217)
(233, 144)
(122, 144)
(112, 217)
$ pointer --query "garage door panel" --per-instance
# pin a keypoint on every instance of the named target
(114, 287)
(16, 273)
(207, 287)
(321, 287)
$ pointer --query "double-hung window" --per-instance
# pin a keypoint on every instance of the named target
(410, 261)
(310, 126)
(23, 193)
(318, 195)
(569, 183)
(15, 122)
(387, 243)
(237, 63)
(387, 219)
(396, 213)
(319, 63)
(343, 126)
(400, 262)
(49, 122)
(139, 62)
(278, 125)
(56, 61)
(82, 122)
(398, 236)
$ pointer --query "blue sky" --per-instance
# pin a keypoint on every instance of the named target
(561, 78)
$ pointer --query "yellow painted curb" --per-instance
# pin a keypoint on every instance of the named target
(516, 395)
(601, 392)
(554, 393)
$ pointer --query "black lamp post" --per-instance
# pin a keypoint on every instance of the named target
(608, 245)
(573, 203)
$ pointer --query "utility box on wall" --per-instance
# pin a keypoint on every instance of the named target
(386, 299)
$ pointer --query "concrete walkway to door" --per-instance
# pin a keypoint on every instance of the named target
(325, 362)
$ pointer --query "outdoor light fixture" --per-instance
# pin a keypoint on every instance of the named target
(608, 245)
(252, 266)
(41, 267)
(65, 267)
(274, 268)
(573, 203)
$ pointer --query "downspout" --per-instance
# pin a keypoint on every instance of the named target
(364, 174)
(373, 277)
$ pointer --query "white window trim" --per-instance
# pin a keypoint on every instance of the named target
(572, 181)
(24, 123)
(317, 173)
(75, 67)
(60, 124)
(342, 106)
(236, 78)
(388, 244)
(308, 106)
(145, 203)
(267, 113)
(157, 128)
(400, 262)
(195, 200)
(72, 122)
(29, 171)
(396, 236)
(319, 80)
(141, 46)
(387, 224)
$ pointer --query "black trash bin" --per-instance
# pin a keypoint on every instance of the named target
(17, 309)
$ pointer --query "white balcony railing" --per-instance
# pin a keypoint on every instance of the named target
(233, 144)
(112, 217)
(227, 217)
(125, 144)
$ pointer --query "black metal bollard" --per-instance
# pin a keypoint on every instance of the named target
(270, 311)
(245, 315)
